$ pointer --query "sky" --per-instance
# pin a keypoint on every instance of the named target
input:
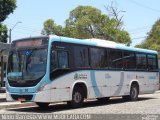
(138, 15)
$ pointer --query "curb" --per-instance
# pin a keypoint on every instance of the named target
(158, 91)
(3, 100)
(16, 104)
(2, 90)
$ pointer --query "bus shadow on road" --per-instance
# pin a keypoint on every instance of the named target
(60, 107)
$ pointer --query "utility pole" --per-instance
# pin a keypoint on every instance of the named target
(2, 70)
(2, 66)
(10, 31)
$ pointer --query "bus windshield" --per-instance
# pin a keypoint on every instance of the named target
(27, 64)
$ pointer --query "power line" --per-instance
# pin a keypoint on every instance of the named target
(139, 38)
(27, 28)
(39, 31)
(144, 6)
(132, 31)
(140, 28)
(139, 31)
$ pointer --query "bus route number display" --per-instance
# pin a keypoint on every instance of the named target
(29, 43)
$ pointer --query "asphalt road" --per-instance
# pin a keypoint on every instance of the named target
(147, 104)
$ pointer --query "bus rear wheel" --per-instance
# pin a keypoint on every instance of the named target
(134, 92)
(42, 105)
(77, 98)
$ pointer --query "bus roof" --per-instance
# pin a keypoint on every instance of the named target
(27, 38)
(93, 42)
(100, 43)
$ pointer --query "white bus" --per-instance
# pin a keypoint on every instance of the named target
(52, 69)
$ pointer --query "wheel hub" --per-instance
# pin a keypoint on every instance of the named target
(77, 97)
(134, 93)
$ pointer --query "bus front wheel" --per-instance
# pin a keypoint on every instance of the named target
(77, 98)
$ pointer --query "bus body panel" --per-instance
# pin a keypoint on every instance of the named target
(43, 96)
(65, 84)
(62, 90)
(8, 96)
(100, 83)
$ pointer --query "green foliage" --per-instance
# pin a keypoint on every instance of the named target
(88, 22)
(6, 7)
(50, 27)
(153, 39)
(85, 20)
(3, 33)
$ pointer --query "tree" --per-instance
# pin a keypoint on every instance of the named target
(6, 7)
(3, 33)
(88, 22)
(50, 27)
(114, 12)
(85, 21)
(153, 39)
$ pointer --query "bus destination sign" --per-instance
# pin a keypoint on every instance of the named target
(36, 42)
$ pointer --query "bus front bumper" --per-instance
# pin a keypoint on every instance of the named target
(43, 96)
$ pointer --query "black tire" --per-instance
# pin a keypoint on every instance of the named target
(103, 100)
(77, 98)
(42, 105)
(134, 92)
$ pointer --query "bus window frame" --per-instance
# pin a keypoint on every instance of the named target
(106, 50)
(52, 71)
(157, 69)
(146, 69)
(126, 69)
(88, 56)
(109, 63)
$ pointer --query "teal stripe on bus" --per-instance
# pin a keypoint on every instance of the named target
(73, 40)
(91, 43)
(94, 84)
(136, 49)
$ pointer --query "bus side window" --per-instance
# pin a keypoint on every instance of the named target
(115, 59)
(141, 61)
(59, 59)
(63, 59)
(59, 63)
(129, 60)
(152, 63)
(98, 58)
(81, 57)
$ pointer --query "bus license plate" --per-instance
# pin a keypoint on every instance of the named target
(21, 99)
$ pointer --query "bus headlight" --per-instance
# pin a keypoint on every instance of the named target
(41, 87)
